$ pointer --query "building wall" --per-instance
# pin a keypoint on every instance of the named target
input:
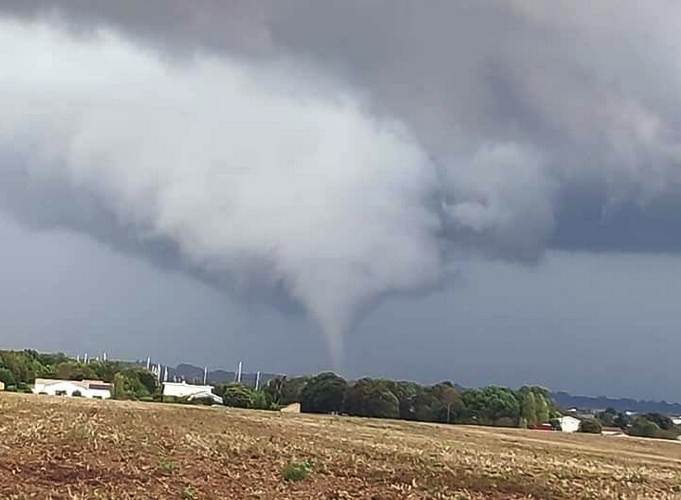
(569, 424)
(183, 390)
(97, 393)
(70, 388)
(53, 389)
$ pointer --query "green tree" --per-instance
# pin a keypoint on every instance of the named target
(622, 421)
(590, 426)
(323, 393)
(238, 396)
(128, 386)
(405, 393)
(292, 389)
(542, 409)
(528, 407)
(371, 398)
(662, 421)
(642, 427)
(7, 377)
(75, 371)
(274, 390)
(119, 386)
(488, 405)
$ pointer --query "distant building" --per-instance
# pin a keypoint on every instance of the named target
(91, 389)
(2, 386)
(569, 424)
(190, 391)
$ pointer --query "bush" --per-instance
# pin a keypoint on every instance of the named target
(238, 396)
(77, 394)
(205, 401)
(296, 471)
(7, 377)
(643, 427)
(590, 426)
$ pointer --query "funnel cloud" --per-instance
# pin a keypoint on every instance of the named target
(325, 155)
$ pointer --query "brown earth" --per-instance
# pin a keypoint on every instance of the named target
(62, 448)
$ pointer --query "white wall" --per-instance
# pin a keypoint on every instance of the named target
(70, 388)
(569, 424)
(181, 390)
(97, 393)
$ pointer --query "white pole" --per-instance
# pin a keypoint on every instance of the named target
(85, 358)
(104, 357)
(205, 374)
(77, 358)
(238, 374)
(257, 381)
(165, 377)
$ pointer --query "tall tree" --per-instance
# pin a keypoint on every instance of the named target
(371, 398)
(323, 393)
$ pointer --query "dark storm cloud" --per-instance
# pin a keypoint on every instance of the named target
(578, 86)
(493, 128)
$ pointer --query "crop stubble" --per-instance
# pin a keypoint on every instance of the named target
(75, 449)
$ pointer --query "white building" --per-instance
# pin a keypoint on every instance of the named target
(92, 389)
(189, 391)
(569, 424)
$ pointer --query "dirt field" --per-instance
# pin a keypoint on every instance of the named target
(58, 448)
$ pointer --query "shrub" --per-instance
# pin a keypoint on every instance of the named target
(296, 471)
(77, 394)
(205, 401)
(643, 427)
(7, 377)
(166, 465)
(188, 494)
(238, 396)
(23, 387)
(590, 426)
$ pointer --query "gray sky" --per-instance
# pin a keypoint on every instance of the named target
(481, 191)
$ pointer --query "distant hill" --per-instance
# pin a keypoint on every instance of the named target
(565, 400)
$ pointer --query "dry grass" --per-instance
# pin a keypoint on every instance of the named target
(58, 448)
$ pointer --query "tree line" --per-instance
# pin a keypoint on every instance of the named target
(441, 402)
(651, 424)
(329, 393)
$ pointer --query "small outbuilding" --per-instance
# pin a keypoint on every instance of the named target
(92, 389)
(569, 424)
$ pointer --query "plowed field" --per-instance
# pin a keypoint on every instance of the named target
(61, 448)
